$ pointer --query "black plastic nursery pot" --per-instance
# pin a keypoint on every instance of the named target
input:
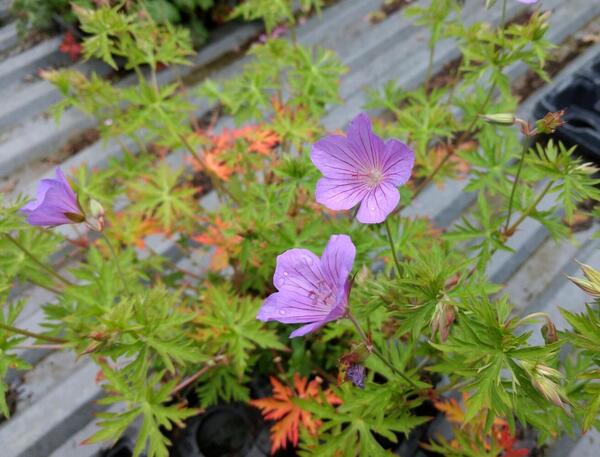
(223, 431)
(579, 96)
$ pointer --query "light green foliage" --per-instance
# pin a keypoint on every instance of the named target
(161, 329)
(8, 360)
(302, 80)
(351, 427)
(146, 397)
(227, 324)
(582, 372)
(158, 196)
(134, 37)
(497, 363)
(273, 12)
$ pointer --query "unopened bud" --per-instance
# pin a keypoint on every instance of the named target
(550, 122)
(95, 220)
(544, 378)
(96, 208)
(590, 285)
(499, 118)
(590, 272)
(549, 332)
(549, 389)
(443, 318)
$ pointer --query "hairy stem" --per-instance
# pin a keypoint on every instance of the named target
(35, 260)
(373, 350)
(526, 145)
(529, 210)
(20, 331)
(189, 380)
(116, 260)
(392, 246)
(430, 65)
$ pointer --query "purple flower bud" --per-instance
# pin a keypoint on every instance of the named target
(356, 374)
(311, 290)
(361, 168)
(55, 204)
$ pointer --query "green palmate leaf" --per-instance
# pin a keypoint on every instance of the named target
(271, 12)
(147, 399)
(15, 263)
(351, 428)
(222, 384)
(228, 321)
(160, 195)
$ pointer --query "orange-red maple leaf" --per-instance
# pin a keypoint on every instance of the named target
(225, 245)
(70, 46)
(290, 417)
(452, 409)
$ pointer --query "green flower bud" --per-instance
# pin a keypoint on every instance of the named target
(96, 208)
(499, 118)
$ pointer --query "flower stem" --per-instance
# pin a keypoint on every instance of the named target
(373, 350)
(116, 260)
(20, 331)
(392, 246)
(35, 260)
(430, 65)
(189, 380)
(526, 145)
(510, 230)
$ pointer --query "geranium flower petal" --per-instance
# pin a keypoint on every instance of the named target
(60, 177)
(290, 308)
(55, 198)
(367, 145)
(307, 329)
(339, 194)
(298, 270)
(398, 162)
(338, 258)
(378, 204)
(334, 157)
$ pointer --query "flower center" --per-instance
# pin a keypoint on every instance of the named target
(322, 295)
(373, 177)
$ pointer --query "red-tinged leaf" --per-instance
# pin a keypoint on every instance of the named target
(70, 46)
(288, 416)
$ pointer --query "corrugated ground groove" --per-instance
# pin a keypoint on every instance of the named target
(74, 454)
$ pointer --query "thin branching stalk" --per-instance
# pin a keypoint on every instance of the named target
(35, 260)
(392, 246)
(526, 145)
(20, 331)
(373, 350)
(189, 380)
(529, 210)
(116, 260)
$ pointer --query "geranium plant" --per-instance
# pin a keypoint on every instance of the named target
(318, 282)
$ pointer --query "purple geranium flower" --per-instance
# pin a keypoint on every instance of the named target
(361, 168)
(311, 291)
(56, 203)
